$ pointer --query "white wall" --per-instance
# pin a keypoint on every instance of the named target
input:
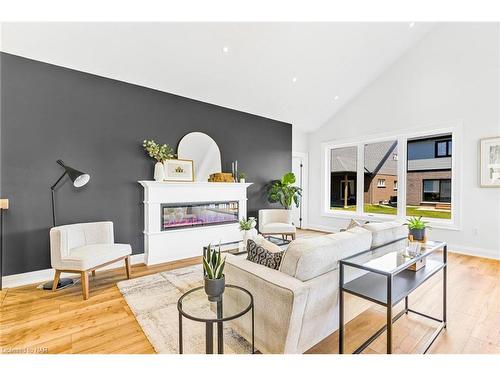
(451, 76)
(299, 140)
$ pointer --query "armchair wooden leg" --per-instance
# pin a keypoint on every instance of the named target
(127, 266)
(293, 236)
(56, 280)
(93, 273)
(85, 284)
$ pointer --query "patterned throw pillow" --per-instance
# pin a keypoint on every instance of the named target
(260, 255)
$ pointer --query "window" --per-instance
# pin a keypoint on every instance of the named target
(371, 185)
(428, 177)
(343, 174)
(380, 167)
(437, 191)
(443, 148)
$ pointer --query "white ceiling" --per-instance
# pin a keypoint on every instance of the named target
(255, 75)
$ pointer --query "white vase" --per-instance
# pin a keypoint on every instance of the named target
(249, 235)
(159, 174)
(242, 180)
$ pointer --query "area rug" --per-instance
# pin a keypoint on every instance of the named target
(153, 300)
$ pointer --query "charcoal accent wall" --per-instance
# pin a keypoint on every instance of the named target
(97, 125)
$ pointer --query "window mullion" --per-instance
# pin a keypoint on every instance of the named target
(402, 163)
(360, 179)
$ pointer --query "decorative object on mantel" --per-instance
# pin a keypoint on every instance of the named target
(204, 152)
(179, 170)
(241, 177)
(4, 205)
(79, 180)
(160, 153)
(221, 177)
(213, 272)
(247, 226)
(416, 228)
(490, 162)
(234, 170)
(284, 192)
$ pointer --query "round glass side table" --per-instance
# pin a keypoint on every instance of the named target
(194, 305)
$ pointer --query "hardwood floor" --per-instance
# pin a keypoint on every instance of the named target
(38, 321)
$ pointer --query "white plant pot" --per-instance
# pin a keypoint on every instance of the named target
(159, 174)
(249, 235)
(242, 180)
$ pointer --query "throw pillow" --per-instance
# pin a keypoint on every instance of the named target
(353, 224)
(262, 256)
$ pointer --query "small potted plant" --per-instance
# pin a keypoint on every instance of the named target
(248, 229)
(417, 227)
(160, 153)
(241, 177)
(213, 272)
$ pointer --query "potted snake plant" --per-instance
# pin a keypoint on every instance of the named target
(213, 272)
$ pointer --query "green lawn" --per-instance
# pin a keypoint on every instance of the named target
(387, 210)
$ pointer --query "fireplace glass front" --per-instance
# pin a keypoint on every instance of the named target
(182, 215)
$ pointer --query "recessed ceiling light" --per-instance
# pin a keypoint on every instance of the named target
(411, 24)
(225, 49)
(294, 79)
(336, 97)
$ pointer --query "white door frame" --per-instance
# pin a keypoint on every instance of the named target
(305, 186)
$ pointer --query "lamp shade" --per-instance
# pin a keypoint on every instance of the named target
(78, 178)
(4, 204)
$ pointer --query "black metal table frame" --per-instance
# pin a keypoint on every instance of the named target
(209, 331)
(390, 303)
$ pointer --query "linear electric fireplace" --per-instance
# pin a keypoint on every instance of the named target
(182, 215)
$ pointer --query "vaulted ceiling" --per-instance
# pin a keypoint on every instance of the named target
(301, 73)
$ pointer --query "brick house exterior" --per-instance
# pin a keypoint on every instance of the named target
(428, 173)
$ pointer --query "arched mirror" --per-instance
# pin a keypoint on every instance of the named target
(204, 152)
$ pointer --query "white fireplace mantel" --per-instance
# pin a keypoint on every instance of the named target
(164, 246)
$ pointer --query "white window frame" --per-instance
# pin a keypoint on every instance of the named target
(381, 183)
(455, 129)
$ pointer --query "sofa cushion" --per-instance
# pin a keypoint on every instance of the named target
(86, 257)
(260, 255)
(307, 258)
(383, 233)
(266, 244)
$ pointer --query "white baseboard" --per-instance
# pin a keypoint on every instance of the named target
(40, 276)
(475, 252)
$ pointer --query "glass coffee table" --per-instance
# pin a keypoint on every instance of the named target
(194, 305)
(386, 279)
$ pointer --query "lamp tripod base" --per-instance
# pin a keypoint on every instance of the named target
(63, 283)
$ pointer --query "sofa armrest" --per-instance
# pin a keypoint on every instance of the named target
(279, 303)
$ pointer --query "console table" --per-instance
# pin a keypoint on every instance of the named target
(386, 280)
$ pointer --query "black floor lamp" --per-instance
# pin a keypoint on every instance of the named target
(79, 179)
(4, 205)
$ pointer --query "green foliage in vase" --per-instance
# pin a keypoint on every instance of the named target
(282, 191)
(242, 175)
(158, 152)
(417, 223)
(213, 263)
(247, 224)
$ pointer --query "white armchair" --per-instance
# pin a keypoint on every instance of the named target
(82, 248)
(276, 221)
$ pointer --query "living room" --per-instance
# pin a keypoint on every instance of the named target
(250, 187)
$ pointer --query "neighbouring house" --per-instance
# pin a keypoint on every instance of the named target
(429, 172)
(380, 174)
